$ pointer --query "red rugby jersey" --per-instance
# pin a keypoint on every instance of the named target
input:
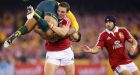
(61, 44)
(115, 45)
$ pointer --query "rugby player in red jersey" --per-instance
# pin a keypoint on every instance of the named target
(59, 53)
(113, 38)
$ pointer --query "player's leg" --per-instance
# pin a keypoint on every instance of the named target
(49, 12)
(70, 69)
(43, 24)
(68, 62)
(51, 63)
(49, 69)
(46, 28)
(126, 72)
(137, 72)
(29, 25)
(133, 68)
(45, 13)
(49, 33)
(51, 20)
(123, 70)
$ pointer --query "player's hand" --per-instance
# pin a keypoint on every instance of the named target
(9, 41)
(132, 50)
(75, 37)
(86, 48)
(30, 12)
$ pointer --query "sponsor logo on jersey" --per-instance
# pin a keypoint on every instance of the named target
(117, 44)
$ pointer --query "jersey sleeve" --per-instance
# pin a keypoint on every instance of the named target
(100, 41)
(74, 22)
(127, 34)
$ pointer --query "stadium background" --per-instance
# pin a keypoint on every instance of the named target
(27, 54)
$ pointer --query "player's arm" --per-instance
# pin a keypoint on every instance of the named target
(131, 40)
(94, 50)
(61, 31)
(75, 37)
(75, 25)
(133, 47)
(98, 47)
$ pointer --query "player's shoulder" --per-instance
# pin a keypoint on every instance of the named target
(103, 33)
(122, 28)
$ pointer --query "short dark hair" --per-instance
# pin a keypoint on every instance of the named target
(65, 4)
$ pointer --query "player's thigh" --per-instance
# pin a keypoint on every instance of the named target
(30, 24)
(46, 6)
(49, 68)
(126, 72)
(133, 68)
(51, 20)
(136, 72)
(70, 69)
(122, 70)
(68, 62)
(68, 57)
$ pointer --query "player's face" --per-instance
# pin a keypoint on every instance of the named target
(109, 25)
(62, 11)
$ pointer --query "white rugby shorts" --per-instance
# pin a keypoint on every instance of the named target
(60, 58)
(131, 67)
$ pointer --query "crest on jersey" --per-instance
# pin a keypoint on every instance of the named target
(121, 35)
(108, 38)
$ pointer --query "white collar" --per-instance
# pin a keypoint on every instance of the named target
(116, 30)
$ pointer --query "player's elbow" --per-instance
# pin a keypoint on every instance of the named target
(76, 37)
(135, 42)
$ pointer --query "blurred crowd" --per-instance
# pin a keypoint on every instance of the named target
(30, 48)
